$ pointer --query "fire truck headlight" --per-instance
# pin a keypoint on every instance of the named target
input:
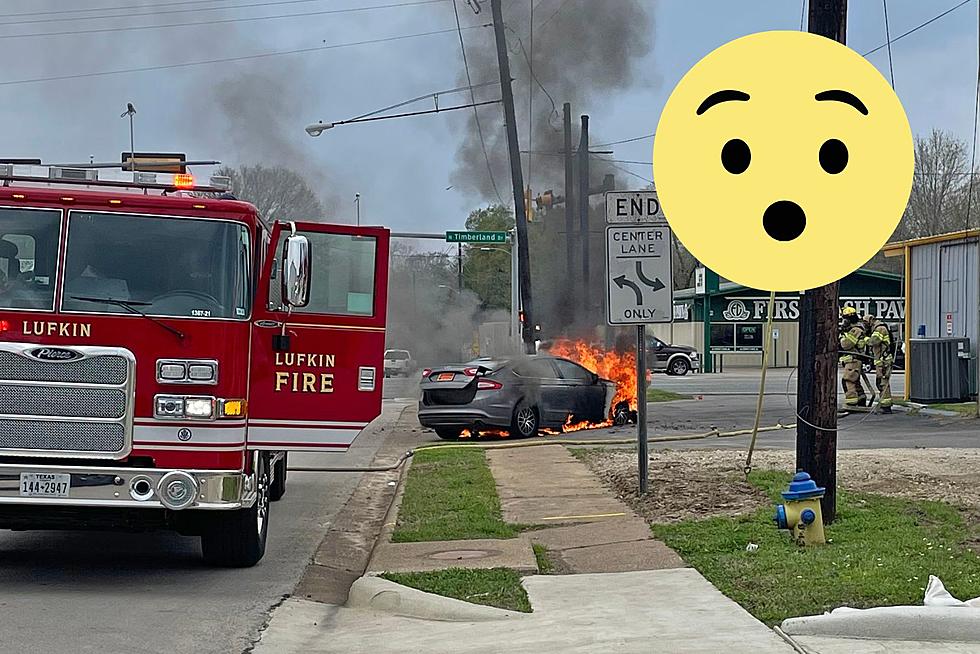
(171, 371)
(202, 372)
(168, 406)
(199, 407)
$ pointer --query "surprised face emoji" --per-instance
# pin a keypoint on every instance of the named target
(783, 161)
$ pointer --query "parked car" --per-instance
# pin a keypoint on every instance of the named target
(672, 359)
(398, 362)
(521, 395)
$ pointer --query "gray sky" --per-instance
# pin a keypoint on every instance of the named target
(241, 112)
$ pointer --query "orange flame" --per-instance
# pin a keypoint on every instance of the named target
(619, 367)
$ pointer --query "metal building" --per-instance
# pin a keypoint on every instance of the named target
(942, 289)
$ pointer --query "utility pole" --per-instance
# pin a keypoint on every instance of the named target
(583, 215)
(569, 215)
(816, 389)
(516, 175)
(459, 267)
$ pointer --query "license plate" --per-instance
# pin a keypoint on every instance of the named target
(446, 376)
(43, 484)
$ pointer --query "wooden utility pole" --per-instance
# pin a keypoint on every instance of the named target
(583, 214)
(569, 215)
(816, 389)
(516, 175)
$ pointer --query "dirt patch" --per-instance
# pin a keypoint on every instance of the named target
(686, 484)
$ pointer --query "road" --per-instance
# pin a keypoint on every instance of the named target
(106, 592)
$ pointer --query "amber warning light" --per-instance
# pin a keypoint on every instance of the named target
(183, 180)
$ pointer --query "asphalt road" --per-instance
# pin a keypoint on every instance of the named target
(107, 592)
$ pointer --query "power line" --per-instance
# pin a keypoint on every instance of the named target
(888, 41)
(916, 28)
(530, 70)
(76, 11)
(223, 60)
(973, 148)
(267, 3)
(624, 170)
(476, 114)
(629, 140)
(219, 21)
(557, 11)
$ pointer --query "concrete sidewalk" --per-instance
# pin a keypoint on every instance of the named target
(648, 611)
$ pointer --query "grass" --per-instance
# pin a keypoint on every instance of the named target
(450, 495)
(545, 566)
(968, 409)
(881, 552)
(660, 395)
(500, 587)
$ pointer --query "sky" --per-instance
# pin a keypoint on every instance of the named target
(405, 170)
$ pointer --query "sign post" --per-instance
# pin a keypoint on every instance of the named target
(639, 285)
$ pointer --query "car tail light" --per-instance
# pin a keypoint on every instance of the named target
(427, 372)
(488, 385)
(470, 372)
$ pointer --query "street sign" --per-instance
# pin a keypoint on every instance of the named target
(639, 287)
(699, 281)
(633, 207)
(476, 237)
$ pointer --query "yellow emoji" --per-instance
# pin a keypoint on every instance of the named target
(783, 161)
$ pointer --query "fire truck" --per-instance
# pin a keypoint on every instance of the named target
(163, 346)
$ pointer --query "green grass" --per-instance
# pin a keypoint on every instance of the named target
(968, 409)
(500, 587)
(881, 552)
(545, 566)
(450, 495)
(660, 395)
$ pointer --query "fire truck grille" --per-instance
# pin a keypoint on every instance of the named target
(81, 407)
(57, 435)
(62, 401)
(104, 369)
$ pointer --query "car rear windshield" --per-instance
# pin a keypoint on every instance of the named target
(396, 355)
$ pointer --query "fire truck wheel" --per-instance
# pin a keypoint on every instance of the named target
(278, 487)
(236, 539)
(524, 423)
(449, 433)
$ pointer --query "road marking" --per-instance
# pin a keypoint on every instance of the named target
(577, 517)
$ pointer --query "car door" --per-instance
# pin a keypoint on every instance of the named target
(660, 354)
(585, 396)
(543, 389)
(320, 390)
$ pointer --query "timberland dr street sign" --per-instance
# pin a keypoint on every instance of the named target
(639, 288)
(476, 237)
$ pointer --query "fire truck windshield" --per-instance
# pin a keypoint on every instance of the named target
(176, 267)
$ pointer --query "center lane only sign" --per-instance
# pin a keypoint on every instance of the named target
(639, 288)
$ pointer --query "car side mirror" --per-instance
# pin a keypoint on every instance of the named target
(659, 345)
(296, 271)
(595, 378)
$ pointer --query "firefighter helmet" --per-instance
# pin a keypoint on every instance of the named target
(848, 311)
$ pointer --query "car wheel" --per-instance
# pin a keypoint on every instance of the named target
(449, 434)
(679, 366)
(236, 539)
(524, 423)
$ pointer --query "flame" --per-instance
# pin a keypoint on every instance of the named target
(619, 367)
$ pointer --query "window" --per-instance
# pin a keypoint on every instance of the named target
(572, 371)
(342, 275)
(164, 266)
(28, 258)
(535, 368)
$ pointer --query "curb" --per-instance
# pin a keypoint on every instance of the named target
(912, 623)
(377, 594)
(914, 410)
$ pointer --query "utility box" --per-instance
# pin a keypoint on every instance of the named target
(940, 370)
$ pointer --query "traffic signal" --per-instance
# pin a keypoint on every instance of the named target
(545, 201)
(528, 208)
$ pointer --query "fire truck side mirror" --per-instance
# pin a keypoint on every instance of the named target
(296, 271)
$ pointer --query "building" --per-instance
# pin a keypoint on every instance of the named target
(738, 316)
(941, 289)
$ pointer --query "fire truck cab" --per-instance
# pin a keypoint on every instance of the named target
(162, 347)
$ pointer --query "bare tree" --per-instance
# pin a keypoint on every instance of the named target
(939, 190)
(277, 192)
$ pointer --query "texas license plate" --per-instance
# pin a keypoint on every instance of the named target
(43, 484)
(445, 376)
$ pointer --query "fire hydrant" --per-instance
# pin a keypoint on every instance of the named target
(801, 513)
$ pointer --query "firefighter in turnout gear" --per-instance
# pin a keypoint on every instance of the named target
(881, 346)
(853, 342)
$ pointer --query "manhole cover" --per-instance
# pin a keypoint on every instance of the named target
(461, 554)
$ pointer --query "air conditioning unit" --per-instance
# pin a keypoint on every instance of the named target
(940, 370)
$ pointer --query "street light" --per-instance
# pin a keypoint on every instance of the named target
(317, 128)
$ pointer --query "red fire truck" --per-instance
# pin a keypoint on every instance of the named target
(162, 347)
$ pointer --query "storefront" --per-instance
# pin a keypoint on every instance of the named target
(738, 316)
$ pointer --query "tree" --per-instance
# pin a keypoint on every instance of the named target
(277, 192)
(937, 203)
(486, 268)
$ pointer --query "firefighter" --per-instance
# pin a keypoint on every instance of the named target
(881, 348)
(853, 341)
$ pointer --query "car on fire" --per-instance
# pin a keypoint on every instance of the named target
(521, 395)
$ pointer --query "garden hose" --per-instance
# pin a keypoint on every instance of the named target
(766, 337)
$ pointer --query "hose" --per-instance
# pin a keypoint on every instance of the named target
(766, 336)
(538, 443)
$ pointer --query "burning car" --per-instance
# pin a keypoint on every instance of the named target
(521, 395)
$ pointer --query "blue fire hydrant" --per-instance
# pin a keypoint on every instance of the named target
(801, 513)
